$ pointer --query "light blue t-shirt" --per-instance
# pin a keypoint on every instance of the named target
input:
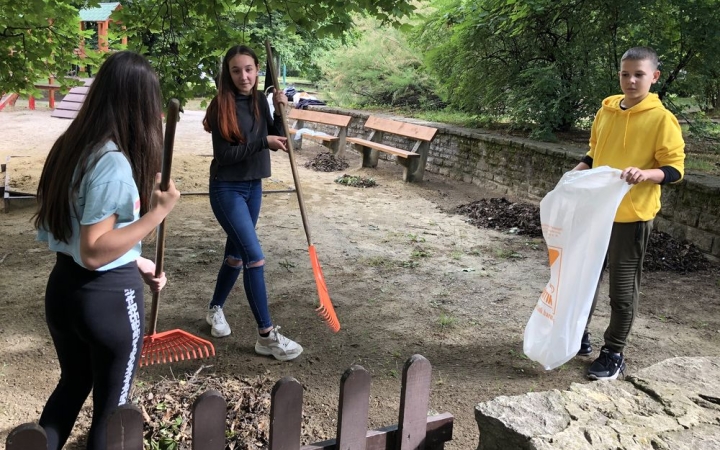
(109, 188)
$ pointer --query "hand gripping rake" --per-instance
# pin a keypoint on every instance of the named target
(326, 311)
(173, 345)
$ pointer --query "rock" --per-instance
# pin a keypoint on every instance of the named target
(674, 405)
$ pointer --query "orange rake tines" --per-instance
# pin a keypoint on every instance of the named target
(326, 311)
(173, 345)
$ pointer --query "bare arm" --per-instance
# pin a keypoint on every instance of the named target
(147, 270)
(101, 243)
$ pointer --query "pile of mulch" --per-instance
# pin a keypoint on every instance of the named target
(664, 253)
(166, 407)
(326, 162)
(503, 215)
(356, 181)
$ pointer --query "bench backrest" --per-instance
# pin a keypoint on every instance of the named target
(320, 117)
(401, 128)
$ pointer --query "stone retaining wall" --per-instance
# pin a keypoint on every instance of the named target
(529, 169)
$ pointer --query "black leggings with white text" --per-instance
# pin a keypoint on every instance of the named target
(96, 323)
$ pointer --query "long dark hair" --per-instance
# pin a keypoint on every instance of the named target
(222, 107)
(123, 105)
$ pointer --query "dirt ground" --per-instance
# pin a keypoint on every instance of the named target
(405, 274)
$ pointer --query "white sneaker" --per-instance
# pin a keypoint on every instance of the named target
(216, 319)
(277, 345)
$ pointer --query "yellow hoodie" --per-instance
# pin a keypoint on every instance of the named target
(646, 136)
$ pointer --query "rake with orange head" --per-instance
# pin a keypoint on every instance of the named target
(173, 345)
(326, 311)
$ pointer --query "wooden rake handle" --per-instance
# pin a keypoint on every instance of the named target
(168, 144)
(291, 150)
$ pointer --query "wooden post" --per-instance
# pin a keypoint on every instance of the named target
(102, 36)
(286, 414)
(31, 102)
(208, 421)
(51, 93)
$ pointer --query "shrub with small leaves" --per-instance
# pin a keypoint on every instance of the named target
(355, 181)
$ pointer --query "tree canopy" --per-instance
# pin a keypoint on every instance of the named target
(183, 39)
(549, 62)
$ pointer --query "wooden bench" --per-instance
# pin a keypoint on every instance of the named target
(412, 160)
(336, 142)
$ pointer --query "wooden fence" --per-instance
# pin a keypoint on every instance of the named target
(415, 429)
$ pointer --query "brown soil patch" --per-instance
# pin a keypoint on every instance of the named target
(190, 173)
(405, 275)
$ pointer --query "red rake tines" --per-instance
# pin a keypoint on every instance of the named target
(326, 311)
(172, 346)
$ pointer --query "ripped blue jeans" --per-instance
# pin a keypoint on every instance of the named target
(236, 205)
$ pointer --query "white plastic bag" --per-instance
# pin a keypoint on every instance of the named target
(576, 218)
(270, 103)
(308, 131)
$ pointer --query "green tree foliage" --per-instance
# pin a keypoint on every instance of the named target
(548, 63)
(38, 38)
(686, 34)
(378, 67)
(184, 39)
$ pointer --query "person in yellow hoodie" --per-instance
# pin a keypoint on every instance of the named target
(632, 132)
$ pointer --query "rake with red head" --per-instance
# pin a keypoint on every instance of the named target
(326, 310)
(173, 345)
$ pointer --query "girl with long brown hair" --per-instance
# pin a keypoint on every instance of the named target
(98, 197)
(243, 131)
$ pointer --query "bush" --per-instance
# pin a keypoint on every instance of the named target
(378, 69)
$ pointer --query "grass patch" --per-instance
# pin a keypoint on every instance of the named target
(706, 163)
(507, 254)
(446, 321)
(415, 238)
(287, 265)
(420, 253)
(379, 261)
(356, 181)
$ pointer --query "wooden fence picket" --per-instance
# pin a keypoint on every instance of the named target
(286, 414)
(208, 421)
(28, 436)
(414, 399)
(353, 409)
(125, 428)
(414, 431)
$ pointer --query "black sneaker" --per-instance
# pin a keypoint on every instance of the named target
(585, 346)
(608, 366)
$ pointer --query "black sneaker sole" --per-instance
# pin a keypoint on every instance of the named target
(621, 371)
(581, 353)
